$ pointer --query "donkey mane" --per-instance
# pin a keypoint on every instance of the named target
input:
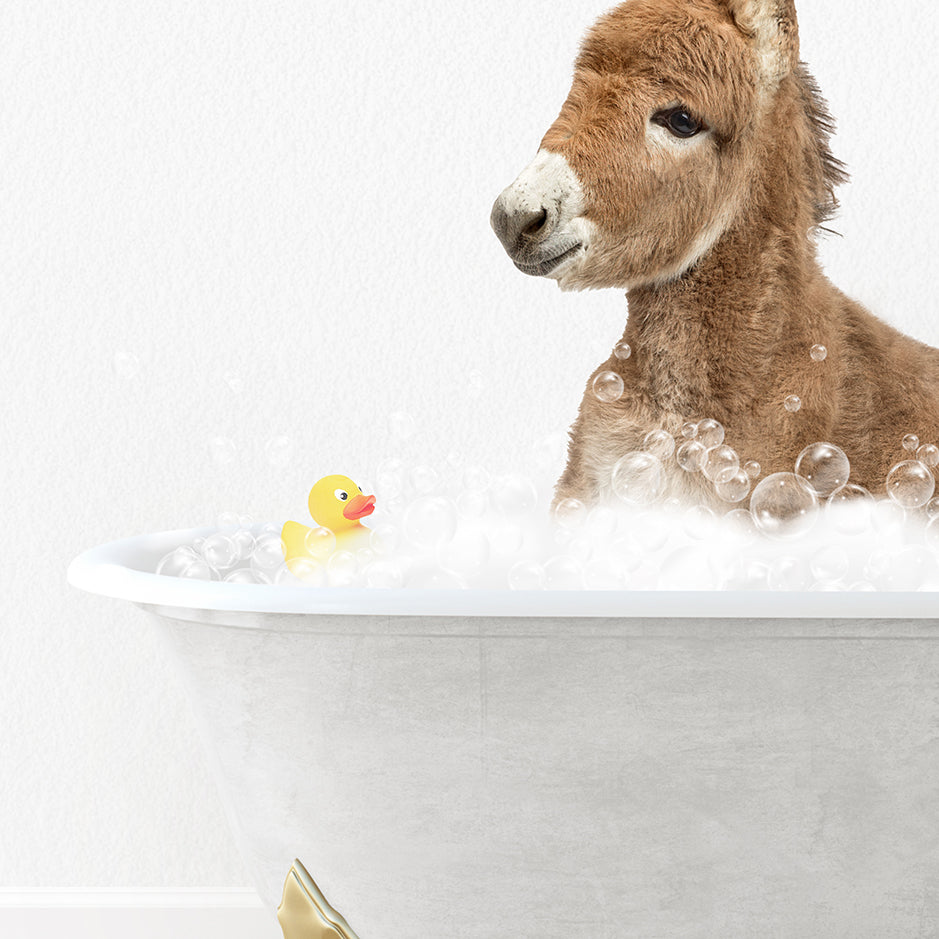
(831, 172)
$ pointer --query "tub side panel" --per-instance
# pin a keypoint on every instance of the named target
(546, 786)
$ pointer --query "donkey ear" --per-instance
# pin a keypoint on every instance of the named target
(774, 31)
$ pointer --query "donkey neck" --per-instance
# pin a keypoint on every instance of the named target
(711, 334)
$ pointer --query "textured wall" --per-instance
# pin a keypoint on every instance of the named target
(250, 220)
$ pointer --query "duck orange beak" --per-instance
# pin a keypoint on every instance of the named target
(359, 507)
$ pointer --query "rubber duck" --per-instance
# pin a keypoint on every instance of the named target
(337, 504)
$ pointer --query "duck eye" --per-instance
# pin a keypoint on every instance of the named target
(678, 122)
(341, 494)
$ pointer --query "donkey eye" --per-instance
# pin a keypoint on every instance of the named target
(679, 122)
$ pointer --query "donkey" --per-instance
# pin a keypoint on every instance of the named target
(690, 166)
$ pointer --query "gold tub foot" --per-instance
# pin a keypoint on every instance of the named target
(304, 912)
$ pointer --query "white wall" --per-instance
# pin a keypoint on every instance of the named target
(271, 218)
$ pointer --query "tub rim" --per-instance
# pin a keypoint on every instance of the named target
(112, 570)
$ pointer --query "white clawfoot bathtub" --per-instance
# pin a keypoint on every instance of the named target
(547, 765)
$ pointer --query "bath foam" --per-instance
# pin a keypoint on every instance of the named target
(468, 540)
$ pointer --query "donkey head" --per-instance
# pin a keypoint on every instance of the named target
(660, 144)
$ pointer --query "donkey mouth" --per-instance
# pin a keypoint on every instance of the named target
(543, 267)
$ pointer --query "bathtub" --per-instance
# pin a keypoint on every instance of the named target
(464, 765)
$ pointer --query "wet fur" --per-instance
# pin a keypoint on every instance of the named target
(729, 336)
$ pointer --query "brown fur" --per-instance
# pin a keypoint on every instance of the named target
(728, 338)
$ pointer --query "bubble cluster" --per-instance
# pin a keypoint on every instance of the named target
(451, 526)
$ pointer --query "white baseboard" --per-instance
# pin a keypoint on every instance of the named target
(141, 914)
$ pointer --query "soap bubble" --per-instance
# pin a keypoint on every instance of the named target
(306, 570)
(792, 403)
(384, 575)
(906, 570)
(430, 522)
(506, 539)
(475, 384)
(125, 364)
(563, 573)
(629, 555)
(551, 451)
(752, 469)
(690, 455)
(320, 543)
(734, 488)
(234, 381)
(384, 539)
(580, 549)
(932, 533)
(467, 554)
(638, 478)
(932, 507)
(244, 542)
(268, 553)
(829, 563)
(177, 562)
(514, 495)
(622, 350)
(742, 522)
(402, 425)
(689, 430)
(219, 551)
(698, 522)
(850, 508)
(710, 432)
(910, 484)
(475, 479)
(889, 518)
(390, 478)
(602, 522)
(602, 574)
(341, 568)
(244, 575)
(783, 505)
(910, 442)
(720, 463)
(746, 573)
(222, 450)
(472, 503)
(659, 443)
(608, 386)
(687, 568)
(650, 530)
(570, 513)
(824, 467)
(278, 451)
(427, 578)
(928, 453)
(789, 573)
(423, 478)
(818, 353)
(526, 575)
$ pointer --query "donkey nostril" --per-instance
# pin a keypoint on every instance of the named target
(536, 224)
